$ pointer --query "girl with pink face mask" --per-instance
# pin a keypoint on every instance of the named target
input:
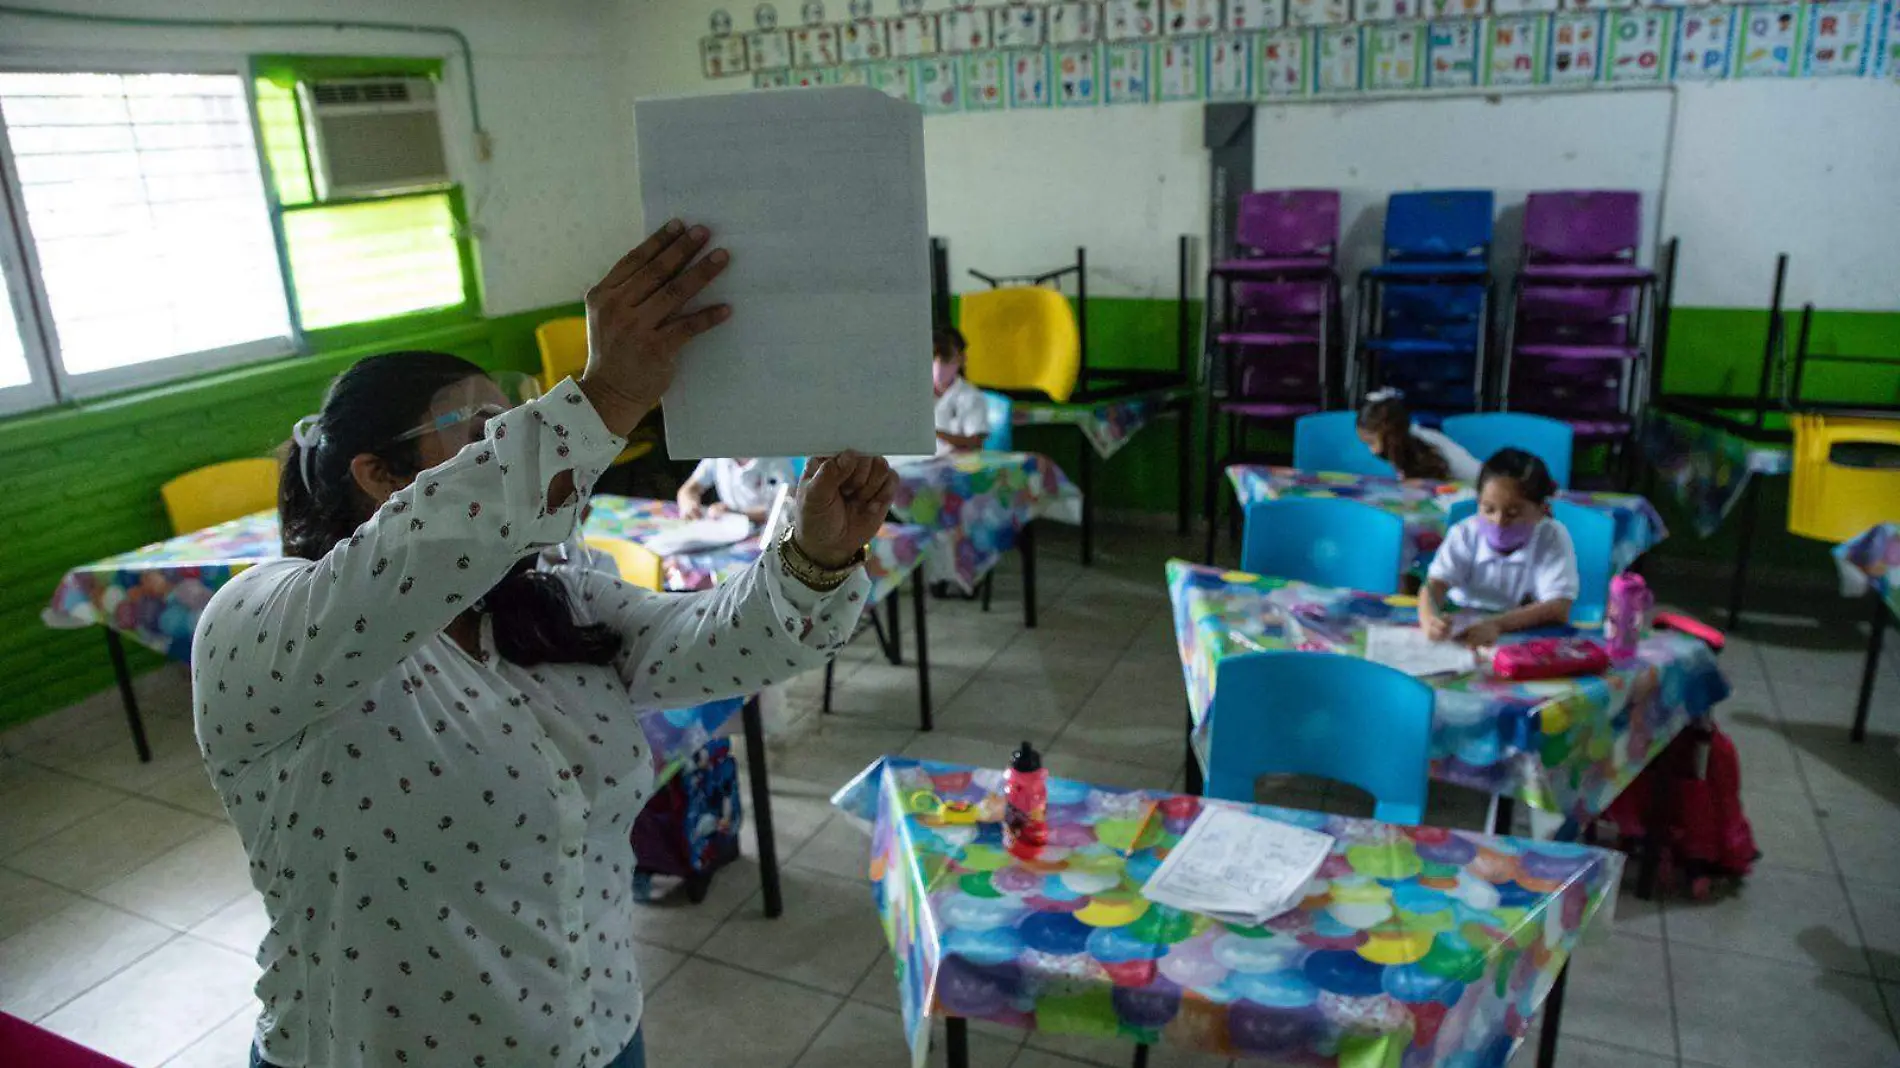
(1511, 561)
(963, 414)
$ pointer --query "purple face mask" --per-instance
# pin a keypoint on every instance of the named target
(1505, 539)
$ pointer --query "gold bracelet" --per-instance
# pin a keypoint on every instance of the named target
(798, 564)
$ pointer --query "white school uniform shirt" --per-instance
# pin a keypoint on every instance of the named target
(963, 410)
(748, 486)
(1480, 577)
(1464, 466)
(441, 838)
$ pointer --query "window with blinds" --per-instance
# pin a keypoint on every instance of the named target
(378, 259)
(14, 371)
(146, 215)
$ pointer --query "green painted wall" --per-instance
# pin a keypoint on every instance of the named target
(81, 483)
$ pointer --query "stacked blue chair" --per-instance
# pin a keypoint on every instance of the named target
(1327, 541)
(1322, 714)
(1329, 441)
(1550, 440)
(1002, 422)
(1424, 310)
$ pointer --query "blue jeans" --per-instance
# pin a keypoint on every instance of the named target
(634, 1056)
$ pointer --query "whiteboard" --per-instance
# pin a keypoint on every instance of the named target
(1511, 145)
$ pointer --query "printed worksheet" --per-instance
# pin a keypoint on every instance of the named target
(1238, 867)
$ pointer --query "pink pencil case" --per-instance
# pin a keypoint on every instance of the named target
(1550, 658)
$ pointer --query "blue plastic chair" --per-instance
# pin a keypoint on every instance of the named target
(1483, 435)
(1324, 714)
(1327, 541)
(1002, 427)
(1329, 441)
(1460, 511)
(1594, 534)
(1444, 225)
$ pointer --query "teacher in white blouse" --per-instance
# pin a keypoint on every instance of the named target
(431, 748)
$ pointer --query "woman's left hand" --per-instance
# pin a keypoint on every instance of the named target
(842, 502)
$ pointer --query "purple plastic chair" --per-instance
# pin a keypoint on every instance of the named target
(1286, 232)
(1583, 236)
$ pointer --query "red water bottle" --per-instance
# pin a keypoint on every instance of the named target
(1026, 803)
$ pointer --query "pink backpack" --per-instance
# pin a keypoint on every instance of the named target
(1705, 834)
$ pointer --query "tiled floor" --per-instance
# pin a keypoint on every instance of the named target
(126, 920)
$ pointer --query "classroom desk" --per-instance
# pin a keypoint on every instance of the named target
(1107, 423)
(1433, 945)
(983, 504)
(1565, 746)
(1870, 567)
(1424, 505)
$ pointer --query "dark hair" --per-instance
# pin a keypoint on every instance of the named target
(368, 407)
(947, 337)
(1532, 477)
(1385, 416)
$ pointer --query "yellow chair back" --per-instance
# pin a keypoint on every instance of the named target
(1022, 337)
(1834, 502)
(218, 493)
(563, 344)
(639, 565)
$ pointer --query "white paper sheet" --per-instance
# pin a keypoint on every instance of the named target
(819, 196)
(701, 534)
(1238, 867)
(1409, 650)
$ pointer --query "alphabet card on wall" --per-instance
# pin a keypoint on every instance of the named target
(1318, 12)
(1077, 81)
(1180, 17)
(854, 75)
(1451, 54)
(938, 85)
(815, 46)
(1338, 66)
(1522, 7)
(1576, 47)
(807, 79)
(1128, 67)
(1385, 10)
(1179, 61)
(720, 56)
(771, 79)
(1890, 43)
(1074, 23)
(895, 79)
(1395, 57)
(1595, 5)
(964, 30)
(1514, 50)
(1029, 80)
(1280, 63)
(1443, 9)
(865, 41)
(1704, 43)
(768, 49)
(1131, 20)
(1839, 42)
(1017, 26)
(1256, 14)
(985, 83)
(1768, 37)
(1228, 76)
(913, 35)
(1637, 48)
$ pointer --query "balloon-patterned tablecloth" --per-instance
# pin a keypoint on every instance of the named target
(1424, 506)
(1706, 467)
(1566, 746)
(897, 550)
(1108, 424)
(1411, 946)
(977, 502)
(1872, 561)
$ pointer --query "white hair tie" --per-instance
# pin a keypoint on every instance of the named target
(1385, 393)
(308, 435)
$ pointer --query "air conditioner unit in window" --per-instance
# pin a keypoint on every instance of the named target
(373, 136)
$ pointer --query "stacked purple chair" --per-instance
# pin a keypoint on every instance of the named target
(1275, 343)
(1583, 314)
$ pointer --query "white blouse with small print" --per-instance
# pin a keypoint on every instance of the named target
(442, 839)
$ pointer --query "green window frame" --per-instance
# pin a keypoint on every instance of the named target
(356, 268)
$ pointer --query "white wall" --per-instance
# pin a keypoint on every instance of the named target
(549, 210)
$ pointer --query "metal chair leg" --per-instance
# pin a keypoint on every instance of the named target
(115, 648)
(1871, 672)
(917, 599)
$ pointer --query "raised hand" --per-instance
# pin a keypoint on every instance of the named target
(637, 321)
(841, 503)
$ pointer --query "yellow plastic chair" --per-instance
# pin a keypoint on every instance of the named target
(1833, 502)
(218, 493)
(563, 345)
(1023, 337)
(639, 565)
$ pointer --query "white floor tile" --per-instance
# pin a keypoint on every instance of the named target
(62, 956)
(708, 1013)
(1744, 1012)
(239, 926)
(103, 847)
(827, 937)
(25, 901)
(1866, 842)
(227, 1046)
(1787, 915)
(156, 1008)
(38, 802)
(1878, 910)
(860, 1036)
(1619, 993)
(187, 884)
